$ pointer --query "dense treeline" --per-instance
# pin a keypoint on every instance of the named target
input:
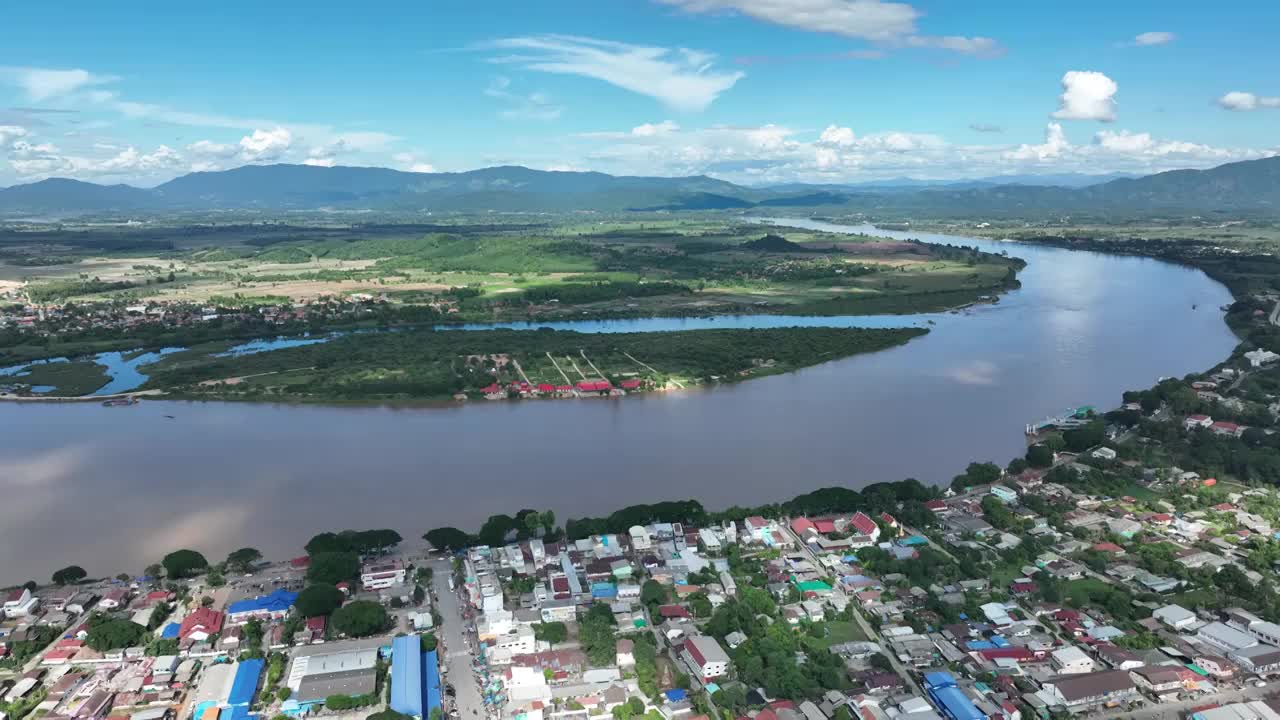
(575, 293)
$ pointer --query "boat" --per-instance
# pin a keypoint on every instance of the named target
(120, 401)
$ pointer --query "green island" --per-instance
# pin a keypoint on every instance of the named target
(433, 365)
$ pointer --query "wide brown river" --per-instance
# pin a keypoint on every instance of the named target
(113, 489)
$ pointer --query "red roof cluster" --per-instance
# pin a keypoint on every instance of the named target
(630, 384)
(595, 385)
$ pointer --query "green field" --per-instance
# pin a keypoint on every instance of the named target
(842, 631)
(427, 364)
(68, 379)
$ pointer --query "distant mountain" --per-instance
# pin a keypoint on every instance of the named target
(1253, 185)
(897, 185)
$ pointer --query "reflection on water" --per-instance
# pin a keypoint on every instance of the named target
(1083, 328)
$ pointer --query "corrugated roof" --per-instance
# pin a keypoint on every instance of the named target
(245, 683)
(406, 675)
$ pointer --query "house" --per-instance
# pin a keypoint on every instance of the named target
(1196, 422)
(200, 625)
(705, 657)
(1118, 657)
(1084, 690)
(1071, 660)
(1104, 453)
(113, 599)
(20, 603)
(1175, 617)
(1228, 429)
(626, 653)
(275, 606)
(1217, 666)
(1008, 496)
(1258, 358)
(1163, 681)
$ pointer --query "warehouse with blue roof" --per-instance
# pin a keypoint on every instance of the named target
(415, 677)
(264, 607)
(949, 698)
(245, 684)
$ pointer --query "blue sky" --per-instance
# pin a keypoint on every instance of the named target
(749, 90)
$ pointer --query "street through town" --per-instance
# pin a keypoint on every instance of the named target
(453, 637)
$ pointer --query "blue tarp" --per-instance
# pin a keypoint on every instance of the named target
(980, 645)
(245, 684)
(675, 695)
(999, 641)
(278, 601)
(170, 631)
(604, 590)
(406, 675)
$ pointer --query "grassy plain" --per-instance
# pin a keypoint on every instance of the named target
(709, 261)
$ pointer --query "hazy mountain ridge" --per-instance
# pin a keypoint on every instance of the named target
(1250, 185)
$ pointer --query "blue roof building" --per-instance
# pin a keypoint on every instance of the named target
(170, 631)
(406, 675)
(949, 698)
(415, 677)
(277, 604)
(245, 683)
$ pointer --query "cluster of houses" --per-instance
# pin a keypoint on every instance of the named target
(583, 388)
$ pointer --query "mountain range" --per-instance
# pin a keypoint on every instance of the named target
(1250, 186)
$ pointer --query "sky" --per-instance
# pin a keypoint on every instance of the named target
(751, 91)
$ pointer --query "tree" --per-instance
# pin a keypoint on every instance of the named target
(1039, 456)
(596, 631)
(242, 560)
(331, 568)
(653, 592)
(360, 618)
(552, 632)
(450, 538)
(389, 714)
(549, 520)
(880, 662)
(68, 575)
(428, 642)
(283, 693)
(318, 600)
(533, 523)
(183, 563)
(109, 634)
(123, 577)
(215, 577)
(153, 571)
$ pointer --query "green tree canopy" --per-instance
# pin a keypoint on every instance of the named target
(69, 574)
(109, 634)
(183, 563)
(450, 538)
(353, 541)
(331, 568)
(318, 600)
(242, 560)
(552, 632)
(360, 618)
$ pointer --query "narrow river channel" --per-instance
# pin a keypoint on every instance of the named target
(113, 489)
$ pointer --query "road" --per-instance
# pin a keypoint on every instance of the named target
(1175, 711)
(863, 625)
(455, 644)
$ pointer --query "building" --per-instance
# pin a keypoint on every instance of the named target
(1071, 660)
(200, 625)
(1004, 494)
(415, 677)
(1086, 689)
(949, 698)
(1225, 637)
(20, 603)
(382, 575)
(1175, 617)
(640, 539)
(1252, 710)
(343, 668)
(1259, 659)
(275, 606)
(705, 657)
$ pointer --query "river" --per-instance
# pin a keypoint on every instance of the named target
(113, 489)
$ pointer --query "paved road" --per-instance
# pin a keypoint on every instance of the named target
(1174, 711)
(457, 653)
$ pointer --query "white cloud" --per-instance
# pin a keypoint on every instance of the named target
(45, 160)
(892, 23)
(1055, 142)
(534, 106)
(681, 78)
(265, 145)
(837, 136)
(1245, 101)
(410, 162)
(10, 133)
(208, 148)
(422, 168)
(320, 161)
(1087, 95)
(651, 129)
(1154, 38)
(42, 83)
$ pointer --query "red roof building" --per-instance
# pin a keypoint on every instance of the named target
(802, 525)
(673, 611)
(595, 386)
(630, 384)
(863, 524)
(546, 388)
(200, 624)
(300, 562)
(825, 527)
(935, 505)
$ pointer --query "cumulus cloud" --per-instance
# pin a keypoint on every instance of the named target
(10, 133)
(1245, 101)
(1087, 95)
(320, 161)
(208, 148)
(651, 129)
(411, 163)
(1147, 39)
(836, 136)
(46, 159)
(892, 23)
(681, 78)
(265, 145)
(1055, 142)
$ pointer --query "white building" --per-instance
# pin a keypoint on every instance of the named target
(1175, 617)
(382, 575)
(20, 603)
(1071, 660)
(640, 539)
(705, 657)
